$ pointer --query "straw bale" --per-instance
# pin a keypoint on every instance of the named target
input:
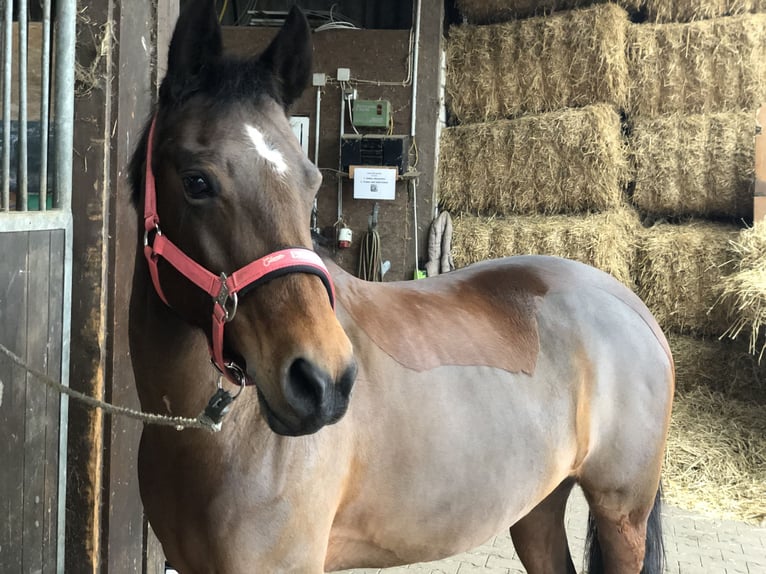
(542, 64)
(567, 161)
(679, 273)
(722, 366)
(604, 240)
(715, 459)
(750, 247)
(491, 11)
(745, 291)
(700, 67)
(690, 10)
(694, 165)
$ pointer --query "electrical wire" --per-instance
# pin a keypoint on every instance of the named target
(223, 10)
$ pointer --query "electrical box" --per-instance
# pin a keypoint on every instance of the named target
(372, 113)
(374, 149)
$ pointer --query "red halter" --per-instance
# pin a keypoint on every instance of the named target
(222, 288)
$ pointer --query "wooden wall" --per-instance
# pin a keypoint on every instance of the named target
(373, 55)
(31, 311)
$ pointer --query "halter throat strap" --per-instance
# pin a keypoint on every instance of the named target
(224, 289)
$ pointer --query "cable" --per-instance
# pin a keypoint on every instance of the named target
(369, 257)
(223, 10)
(370, 264)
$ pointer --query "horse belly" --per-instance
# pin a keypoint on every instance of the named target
(466, 453)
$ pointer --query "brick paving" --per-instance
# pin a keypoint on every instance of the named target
(694, 545)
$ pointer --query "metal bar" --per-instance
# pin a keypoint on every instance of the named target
(32, 221)
(7, 79)
(66, 11)
(66, 335)
(21, 170)
(45, 81)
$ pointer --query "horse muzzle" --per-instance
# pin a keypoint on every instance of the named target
(312, 399)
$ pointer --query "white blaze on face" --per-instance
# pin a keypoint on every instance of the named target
(270, 154)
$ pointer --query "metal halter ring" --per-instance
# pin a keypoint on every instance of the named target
(239, 374)
(146, 234)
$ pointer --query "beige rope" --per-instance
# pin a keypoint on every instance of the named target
(180, 423)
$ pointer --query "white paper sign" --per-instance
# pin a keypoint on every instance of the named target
(374, 183)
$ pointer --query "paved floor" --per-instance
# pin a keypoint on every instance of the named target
(694, 545)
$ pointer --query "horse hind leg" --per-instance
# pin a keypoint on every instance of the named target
(540, 537)
(624, 535)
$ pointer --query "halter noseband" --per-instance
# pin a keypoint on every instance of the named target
(222, 288)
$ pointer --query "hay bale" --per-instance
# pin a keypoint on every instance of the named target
(700, 67)
(745, 290)
(690, 10)
(722, 366)
(568, 161)
(492, 11)
(679, 272)
(538, 65)
(694, 165)
(745, 293)
(750, 247)
(716, 456)
(604, 240)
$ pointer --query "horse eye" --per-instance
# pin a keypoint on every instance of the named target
(196, 186)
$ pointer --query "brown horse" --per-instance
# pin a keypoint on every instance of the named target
(480, 397)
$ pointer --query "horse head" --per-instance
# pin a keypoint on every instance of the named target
(233, 186)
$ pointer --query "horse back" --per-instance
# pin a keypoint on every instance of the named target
(483, 314)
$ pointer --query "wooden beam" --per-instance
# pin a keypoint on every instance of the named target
(759, 192)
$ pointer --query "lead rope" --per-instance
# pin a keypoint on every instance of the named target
(179, 423)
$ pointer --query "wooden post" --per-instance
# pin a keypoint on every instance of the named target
(106, 528)
(759, 192)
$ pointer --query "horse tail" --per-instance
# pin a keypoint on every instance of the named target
(654, 556)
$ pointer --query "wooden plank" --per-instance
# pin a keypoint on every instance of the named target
(759, 199)
(154, 557)
(13, 273)
(53, 400)
(124, 537)
(86, 365)
(35, 459)
(167, 14)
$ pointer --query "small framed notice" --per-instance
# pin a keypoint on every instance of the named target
(375, 182)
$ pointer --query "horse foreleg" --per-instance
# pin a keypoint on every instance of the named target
(540, 538)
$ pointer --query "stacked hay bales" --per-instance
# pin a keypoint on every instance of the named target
(603, 240)
(691, 10)
(504, 70)
(510, 166)
(537, 103)
(698, 67)
(492, 11)
(679, 271)
(699, 165)
(538, 163)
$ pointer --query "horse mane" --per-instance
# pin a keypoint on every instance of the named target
(230, 80)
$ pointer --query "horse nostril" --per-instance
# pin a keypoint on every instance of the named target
(306, 387)
(346, 381)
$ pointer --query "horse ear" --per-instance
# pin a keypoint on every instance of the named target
(289, 56)
(195, 47)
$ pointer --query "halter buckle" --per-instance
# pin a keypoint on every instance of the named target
(223, 297)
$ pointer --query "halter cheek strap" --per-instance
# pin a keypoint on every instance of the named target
(224, 290)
